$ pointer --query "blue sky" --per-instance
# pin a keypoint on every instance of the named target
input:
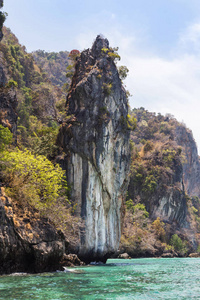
(159, 41)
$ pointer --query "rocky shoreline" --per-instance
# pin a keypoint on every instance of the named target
(164, 255)
(28, 242)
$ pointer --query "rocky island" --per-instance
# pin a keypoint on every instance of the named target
(96, 186)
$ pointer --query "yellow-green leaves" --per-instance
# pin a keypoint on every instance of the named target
(12, 83)
(33, 178)
(5, 137)
(112, 53)
(131, 122)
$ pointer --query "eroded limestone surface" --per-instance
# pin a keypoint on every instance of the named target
(96, 142)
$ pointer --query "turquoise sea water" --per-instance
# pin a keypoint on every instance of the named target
(149, 278)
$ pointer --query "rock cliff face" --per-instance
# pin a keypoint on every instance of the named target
(166, 199)
(191, 165)
(158, 172)
(28, 243)
(170, 202)
(8, 105)
(164, 178)
(171, 207)
(96, 142)
(8, 98)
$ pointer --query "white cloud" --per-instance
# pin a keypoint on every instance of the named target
(190, 39)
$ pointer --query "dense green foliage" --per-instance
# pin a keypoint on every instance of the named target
(179, 245)
(156, 169)
(32, 179)
(2, 19)
(54, 65)
(3, 16)
(5, 137)
(38, 99)
(111, 52)
(156, 158)
(27, 168)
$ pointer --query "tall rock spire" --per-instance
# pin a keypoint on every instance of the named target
(96, 143)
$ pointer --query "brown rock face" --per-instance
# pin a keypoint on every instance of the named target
(8, 105)
(28, 243)
(96, 143)
(71, 260)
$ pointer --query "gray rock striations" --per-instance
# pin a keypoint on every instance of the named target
(8, 106)
(96, 142)
(191, 164)
(167, 200)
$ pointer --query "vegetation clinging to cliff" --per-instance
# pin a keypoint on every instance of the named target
(27, 168)
(156, 170)
(3, 16)
(40, 104)
(32, 179)
(54, 64)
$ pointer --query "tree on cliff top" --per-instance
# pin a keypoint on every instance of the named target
(3, 16)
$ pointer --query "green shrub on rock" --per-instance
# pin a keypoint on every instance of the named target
(179, 245)
(5, 137)
(33, 179)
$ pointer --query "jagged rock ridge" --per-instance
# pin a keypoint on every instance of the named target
(8, 105)
(96, 142)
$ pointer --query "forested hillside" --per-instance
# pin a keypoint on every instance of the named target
(54, 65)
(31, 108)
(158, 204)
(41, 105)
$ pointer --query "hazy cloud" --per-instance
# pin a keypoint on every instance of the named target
(190, 39)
